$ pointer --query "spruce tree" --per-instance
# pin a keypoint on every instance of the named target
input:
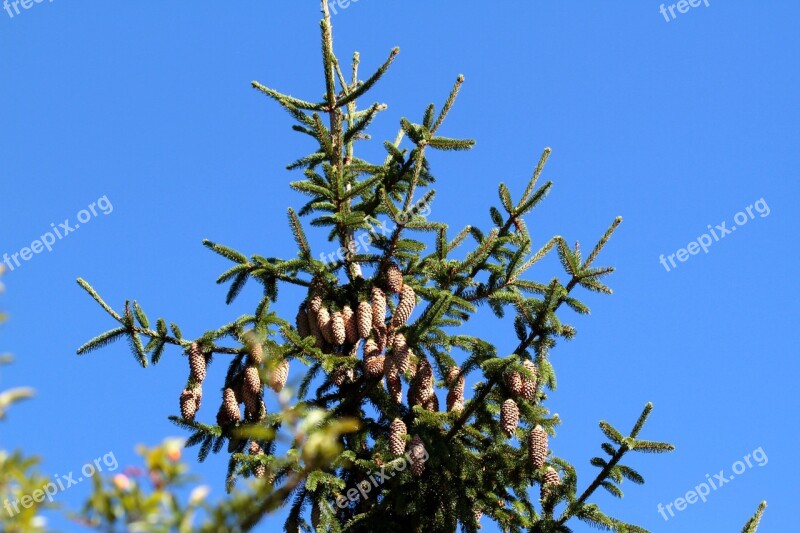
(382, 345)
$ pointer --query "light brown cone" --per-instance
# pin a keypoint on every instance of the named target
(229, 412)
(395, 387)
(378, 308)
(313, 327)
(277, 380)
(338, 332)
(509, 417)
(455, 402)
(371, 349)
(188, 404)
(260, 470)
(197, 363)
(401, 354)
(350, 328)
(324, 325)
(529, 387)
(364, 319)
(514, 383)
(256, 354)
(537, 447)
(424, 377)
(432, 403)
(417, 452)
(315, 304)
(256, 414)
(394, 278)
(408, 300)
(551, 478)
(251, 388)
(340, 374)
(373, 367)
(397, 437)
(301, 323)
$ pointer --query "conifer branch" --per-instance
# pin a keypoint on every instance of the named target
(752, 525)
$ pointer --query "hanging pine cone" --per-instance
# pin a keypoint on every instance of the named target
(313, 327)
(455, 401)
(408, 299)
(364, 319)
(301, 323)
(381, 337)
(456, 382)
(397, 437)
(338, 332)
(509, 417)
(551, 479)
(371, 349)
(432, 402)
(277, 380)
(537, 447)
(417, 452)
(395, 386)
(188, 404)
(424, 377)
(260, 471)
(514, 383)
(529, 386)
(324, 325)
(256, 412)
(256, 355)
(394, 278)
(197, 363)
(340, 374)
(400, 353)
(251, 381)
(373, 366)
(378, 308)
(350, 328)
(229, 412)
(315, 304)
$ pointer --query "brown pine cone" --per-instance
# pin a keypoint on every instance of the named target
(315, 304)
(424, 376)
(364, 319)
(188, 404)
(254, 415)
(341, 374)
(551, 478)
(371, 349)
(301, 323)
(400, 353)
(229, 412)
(373, 366)
(338, 332)
(530, 386)
(313, 327)
(408, 300)
(350, 328)
(417, 452)
(514, 383)
(260, 470)
(455, 402)
(395, 386)
(378, 308)
(394, 278)
(277, 380)
(316, 515)
(432, 403)
(256, 355)
(324, 325)
(397, 437)
(381, 337)
(197, 363)
(537, 447)
(509, 417)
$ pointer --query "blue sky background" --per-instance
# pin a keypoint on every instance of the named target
(673, 125)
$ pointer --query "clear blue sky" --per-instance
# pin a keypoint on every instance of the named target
(673, 125)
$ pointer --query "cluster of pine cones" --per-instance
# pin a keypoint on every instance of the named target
(245, 389)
